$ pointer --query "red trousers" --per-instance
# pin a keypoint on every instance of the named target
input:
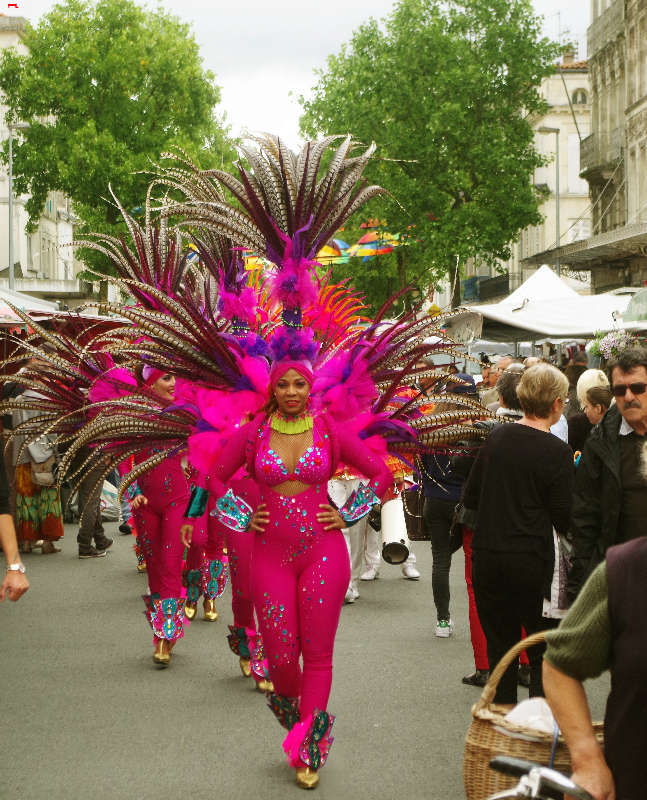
(479, 643)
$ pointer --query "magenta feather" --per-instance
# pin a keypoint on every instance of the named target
(343, 386)
(294, 344)
(115, 383)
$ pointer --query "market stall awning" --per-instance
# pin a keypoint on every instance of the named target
(34, 306)
(545, 306)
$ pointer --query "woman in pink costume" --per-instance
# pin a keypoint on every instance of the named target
(300, 561)
(244, 638)
(158, 505)
(206, 570)
(286, 207)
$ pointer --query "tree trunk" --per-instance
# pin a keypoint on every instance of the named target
(455, 282)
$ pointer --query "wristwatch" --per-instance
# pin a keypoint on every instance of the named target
(19, 567)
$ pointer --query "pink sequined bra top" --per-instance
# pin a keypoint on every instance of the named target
(314, 466)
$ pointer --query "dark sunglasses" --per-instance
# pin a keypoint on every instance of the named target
(620, 389)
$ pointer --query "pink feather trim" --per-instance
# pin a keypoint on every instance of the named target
(293, 742)
(343, 387)
(256, 370)
(224, 412)
(243, 305)
(292, 284)
(115, 383)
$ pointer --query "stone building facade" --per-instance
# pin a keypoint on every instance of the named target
(614, 156)
(568, 116)
(42, 267)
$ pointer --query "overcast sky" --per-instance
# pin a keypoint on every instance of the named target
(260, 50)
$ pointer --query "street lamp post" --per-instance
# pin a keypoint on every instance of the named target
(18, 126)
(557, 230)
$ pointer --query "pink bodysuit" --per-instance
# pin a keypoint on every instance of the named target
(300, 572)
(167, 489)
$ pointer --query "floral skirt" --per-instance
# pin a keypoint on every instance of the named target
(38, 508)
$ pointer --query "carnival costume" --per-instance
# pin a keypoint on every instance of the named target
(286, 208)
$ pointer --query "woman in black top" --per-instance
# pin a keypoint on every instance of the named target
(521, 488)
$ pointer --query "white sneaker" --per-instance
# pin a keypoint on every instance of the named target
(354, 590)
(349, 597)
(444, 628)
(410, 572)
(370, 574)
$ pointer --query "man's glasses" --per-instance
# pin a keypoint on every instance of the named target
(620, 389)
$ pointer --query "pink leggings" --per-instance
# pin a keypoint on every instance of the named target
(206, 542)
(300, 574)
(159, 534)
(240, 545)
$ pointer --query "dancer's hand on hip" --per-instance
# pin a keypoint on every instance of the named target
(138, 500)
(260, 519)
(186, 534)
(330, 518)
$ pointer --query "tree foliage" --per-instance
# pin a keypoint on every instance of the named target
(105, 87)
(446, 90)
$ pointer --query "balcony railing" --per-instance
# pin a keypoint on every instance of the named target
(600, 149)
(607, 27)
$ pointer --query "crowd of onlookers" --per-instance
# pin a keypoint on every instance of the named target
(553, 512)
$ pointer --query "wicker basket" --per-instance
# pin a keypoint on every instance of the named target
(485, 739)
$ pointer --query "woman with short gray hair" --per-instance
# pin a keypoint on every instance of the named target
(520, 488)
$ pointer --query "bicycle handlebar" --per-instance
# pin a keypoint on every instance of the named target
(544, 777)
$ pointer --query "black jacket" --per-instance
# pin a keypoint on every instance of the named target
(597, 501)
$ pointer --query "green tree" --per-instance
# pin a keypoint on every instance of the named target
(447, 91)
(105, 87)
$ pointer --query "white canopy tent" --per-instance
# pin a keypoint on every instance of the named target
(34, 306)
(544, 306)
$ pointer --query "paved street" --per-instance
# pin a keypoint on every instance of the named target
(86, 714)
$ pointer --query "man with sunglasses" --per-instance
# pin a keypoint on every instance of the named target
(610, 502)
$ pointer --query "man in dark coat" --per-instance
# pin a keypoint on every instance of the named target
(610, 501)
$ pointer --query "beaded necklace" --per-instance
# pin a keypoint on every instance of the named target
(291, 425)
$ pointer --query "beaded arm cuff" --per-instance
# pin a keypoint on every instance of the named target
(197, 502)
(359, 504)
(233, 512)
(132, 491)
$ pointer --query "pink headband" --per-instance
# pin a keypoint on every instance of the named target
(151, 374)
(279, 368)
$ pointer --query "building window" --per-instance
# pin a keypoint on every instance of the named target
(580, 97)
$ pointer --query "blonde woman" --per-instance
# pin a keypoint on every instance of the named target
(521, 488)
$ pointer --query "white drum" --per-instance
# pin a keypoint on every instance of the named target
(395, 542)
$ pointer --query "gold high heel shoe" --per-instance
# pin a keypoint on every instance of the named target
(245, 667)
(264, 686)
(307, 778)
(190, 610)
(210, 612)
(162, 654)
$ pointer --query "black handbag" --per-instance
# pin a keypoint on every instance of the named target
(413, 501)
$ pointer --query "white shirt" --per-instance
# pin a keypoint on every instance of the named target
(625, 428)
(560, 429)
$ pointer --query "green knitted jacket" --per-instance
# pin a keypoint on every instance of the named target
(581, 646)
